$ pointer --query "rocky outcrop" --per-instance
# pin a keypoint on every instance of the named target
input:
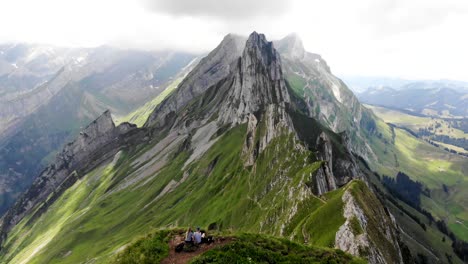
(337, 168)
(368, 233)
(257, 83)
(325, 180)
(98, 142)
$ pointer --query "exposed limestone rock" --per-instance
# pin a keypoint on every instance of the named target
(346, 239)
(257, 94)
(360, 242)
(249, 150)
(324, 177)
(336, 169)
(257, 83)
(202, 140)
(211, 69)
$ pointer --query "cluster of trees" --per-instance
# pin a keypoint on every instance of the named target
(459, 142)
(394, 193)
(461, 249)
(405, 189)
(409, 191)
(461, 124)
(442, 226)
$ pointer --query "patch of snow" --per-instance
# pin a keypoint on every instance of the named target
(14, 65)
(317, 60)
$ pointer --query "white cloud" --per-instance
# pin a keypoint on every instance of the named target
(405, 38)
(238, 9)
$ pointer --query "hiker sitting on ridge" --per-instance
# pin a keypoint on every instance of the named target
(198, 236)
(189, 236)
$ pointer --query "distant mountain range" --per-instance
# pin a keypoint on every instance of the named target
(431, 99)
(359, 84)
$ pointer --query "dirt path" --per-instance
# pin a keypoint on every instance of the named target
(185, 257)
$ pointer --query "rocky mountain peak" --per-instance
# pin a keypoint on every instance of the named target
(291, 46)
(257, 82)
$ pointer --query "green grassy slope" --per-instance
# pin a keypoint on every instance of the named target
(243, 248)
(260, 249)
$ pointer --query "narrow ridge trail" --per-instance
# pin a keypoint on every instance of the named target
(185, 257)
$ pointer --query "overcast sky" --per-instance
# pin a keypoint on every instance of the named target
(398, 38)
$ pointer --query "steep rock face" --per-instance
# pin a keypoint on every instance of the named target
(211, 69)
(257, 95)
(257, 83)
(324, 178)
(336, 169)
(99, 141)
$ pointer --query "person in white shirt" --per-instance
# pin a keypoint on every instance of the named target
(197, 236)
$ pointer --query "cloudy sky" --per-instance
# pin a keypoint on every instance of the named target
(397, 38)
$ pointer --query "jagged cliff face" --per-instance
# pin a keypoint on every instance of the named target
(232, 130)
(257, 83)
